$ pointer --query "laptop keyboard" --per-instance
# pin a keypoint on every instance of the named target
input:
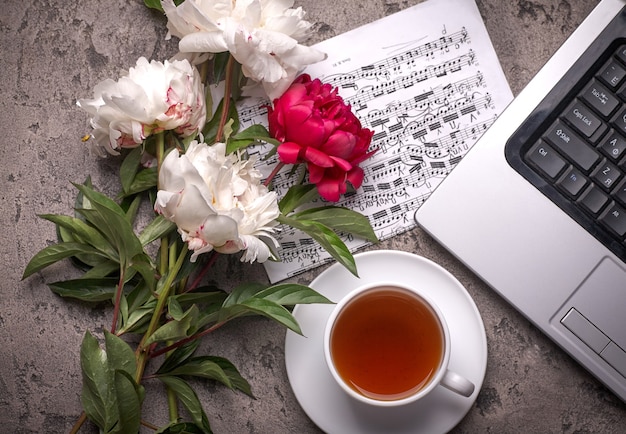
(574, 149)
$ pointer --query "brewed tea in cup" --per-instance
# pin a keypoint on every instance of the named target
(387, 344)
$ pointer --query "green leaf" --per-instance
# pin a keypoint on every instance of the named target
(254, 134)
(204, 368)
(141, 263)
(82, 232)
(208, 367)
(189, 399)
(156, 4)
(326, 238)
(290, 294)
(341, 220)
(210, 129)
(120, 355)
(214, 368)
(174, 309)
(101, 270)
(93, 290)
(179, 356)
(129, 396)
(144, 180)
(130, 205)
(136, 319)
(262, 307)
(180, 428)
(177, 329)
(157, 228)
(110, 397)
(98, 393)
(129, 167)
(51, 254)
(139, 296)
(296, 196)
(220, 60)
(210, 297)
(242, 293)
(112, 222)
(238, 382)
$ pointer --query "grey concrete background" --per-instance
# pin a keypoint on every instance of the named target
(54, 51)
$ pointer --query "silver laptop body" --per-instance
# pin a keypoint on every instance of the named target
(543, 262)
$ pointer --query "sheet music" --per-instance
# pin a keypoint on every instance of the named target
(427, 81)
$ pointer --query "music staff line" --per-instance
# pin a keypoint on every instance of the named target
(408, 59)
(417, 129)
(369, 93)
(304, 248)
(378, 69)
(437, 96)
(449, 144)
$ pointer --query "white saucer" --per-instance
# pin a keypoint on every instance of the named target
(322, 399)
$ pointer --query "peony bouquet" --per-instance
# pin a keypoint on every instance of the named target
(182, 150)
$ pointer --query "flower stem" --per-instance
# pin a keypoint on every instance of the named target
(182, 342)
(160, 151)
(203, 272)
(163, 297)
(277, 168)
(79, 423)
(118, 299)
(228, 84)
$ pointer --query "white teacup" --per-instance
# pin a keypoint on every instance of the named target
(387, 344)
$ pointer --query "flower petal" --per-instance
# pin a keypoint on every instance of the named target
(289, 152)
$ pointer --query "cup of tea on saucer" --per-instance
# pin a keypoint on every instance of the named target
(387, 345)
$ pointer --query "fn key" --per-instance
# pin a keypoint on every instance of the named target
(546, 159)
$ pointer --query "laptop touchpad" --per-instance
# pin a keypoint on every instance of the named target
(595, 313)
(602, 300)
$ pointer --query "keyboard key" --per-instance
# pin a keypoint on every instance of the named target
(582, 118)
(614, 146)
(593, 200)
(620, 192)
(606, 174)
(612, 73)
(573, 181)
(572, 146)
(621, 53)
(546, 159)
(619, 121)
(614, 218)
(600, 98)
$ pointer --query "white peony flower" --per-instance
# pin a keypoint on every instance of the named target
(218, 202)
(150, 98)
(262, 35)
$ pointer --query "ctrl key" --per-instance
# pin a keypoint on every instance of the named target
(546, 159)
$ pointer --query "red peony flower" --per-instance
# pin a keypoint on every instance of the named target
(318, 128)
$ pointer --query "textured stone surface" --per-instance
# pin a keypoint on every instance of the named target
(54, 51)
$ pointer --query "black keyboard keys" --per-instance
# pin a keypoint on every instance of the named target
(546, 159)
(572, 146)
(582, 118)
(600, 98)
(582, 154)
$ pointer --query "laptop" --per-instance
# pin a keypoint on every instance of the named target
(537, 208)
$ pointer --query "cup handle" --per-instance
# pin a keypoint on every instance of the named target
(458, 384)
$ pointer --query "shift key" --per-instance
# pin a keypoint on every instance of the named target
(581, 118)
(571, 145)
(546, 159)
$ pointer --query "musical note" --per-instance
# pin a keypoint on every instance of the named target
(427, 104)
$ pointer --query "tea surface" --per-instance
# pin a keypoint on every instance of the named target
(387, 343)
